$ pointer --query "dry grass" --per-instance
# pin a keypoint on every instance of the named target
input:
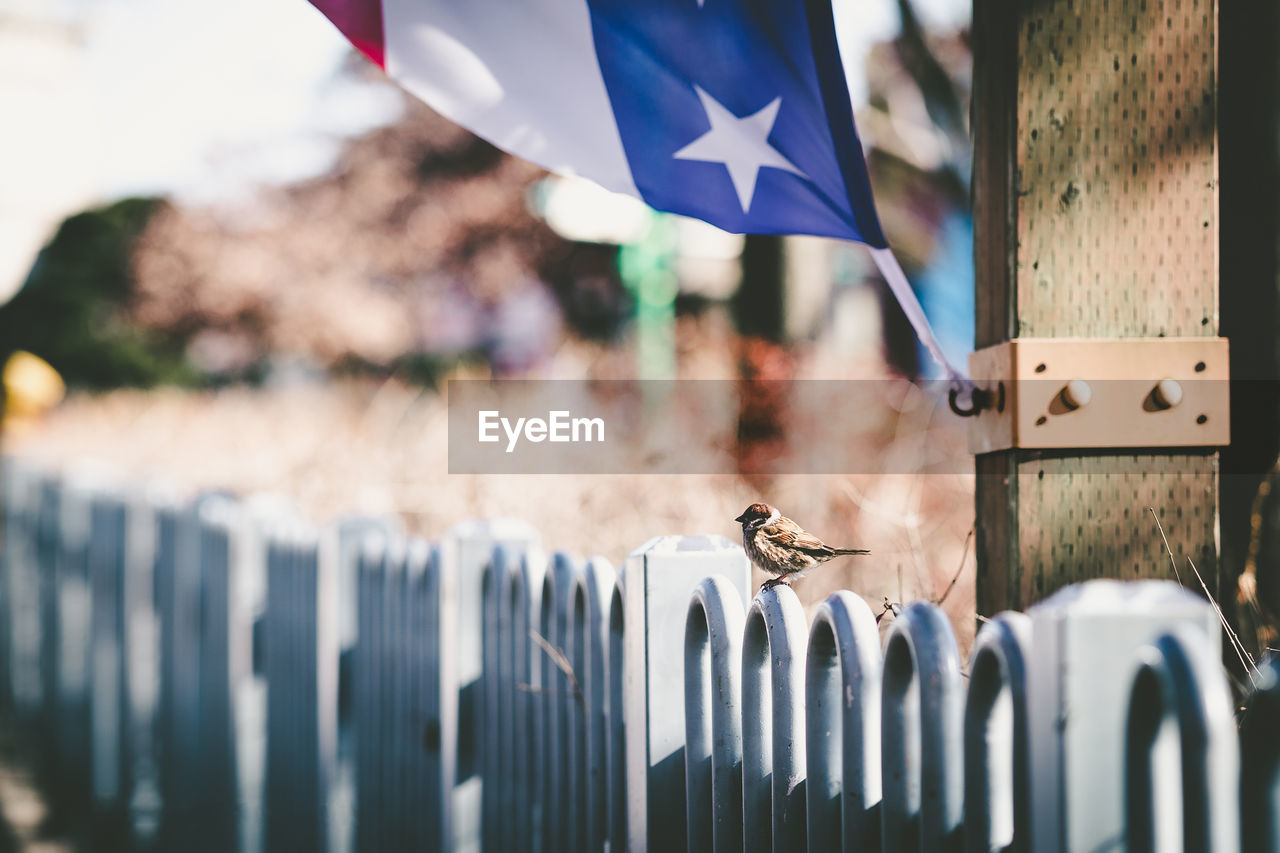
(382, 449)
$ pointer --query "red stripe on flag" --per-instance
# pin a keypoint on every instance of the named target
(360, 21)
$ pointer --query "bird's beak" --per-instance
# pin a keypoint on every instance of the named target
(742, 518)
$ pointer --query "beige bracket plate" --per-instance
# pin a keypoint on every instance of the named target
(1049, 393)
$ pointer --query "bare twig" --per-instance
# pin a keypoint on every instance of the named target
(889, 607)
(1236, 645)
(1240, 650)
(964, 555)
(562, 663)
(1167, 549)
(524, 687)
(914, 539)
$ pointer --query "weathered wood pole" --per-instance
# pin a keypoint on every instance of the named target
(1096, 215)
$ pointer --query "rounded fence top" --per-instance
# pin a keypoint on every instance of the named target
(685, 544)
(1109, 596)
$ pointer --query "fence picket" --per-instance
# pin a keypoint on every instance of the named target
(616, 757)
(431, 773)
(352, 534)
(519, 683)
(364, 687)
(69, 771)
(554, 698)
(466, 550)
(109, 673)
(45, 589)
(494, 709)
(16, 482)
(842, 698)
(393, 665)
(773, 734)
(713, 715)
(225, 632)
(997, 769)
(590, 659)
(920, 756)
(1182, 761)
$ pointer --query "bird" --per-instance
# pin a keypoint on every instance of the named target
(782, 548)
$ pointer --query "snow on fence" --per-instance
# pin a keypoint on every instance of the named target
(218, 675)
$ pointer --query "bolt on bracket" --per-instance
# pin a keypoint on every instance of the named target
(1065, 393)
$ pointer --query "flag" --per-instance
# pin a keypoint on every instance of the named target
(735, 112)
(731, 111)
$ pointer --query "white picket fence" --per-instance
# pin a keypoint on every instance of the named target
(217, 675)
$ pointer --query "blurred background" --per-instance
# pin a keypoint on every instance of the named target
(234, 256)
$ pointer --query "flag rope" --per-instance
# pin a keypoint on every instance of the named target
(897, 281)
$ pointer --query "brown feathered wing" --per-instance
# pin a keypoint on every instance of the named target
(787, 533)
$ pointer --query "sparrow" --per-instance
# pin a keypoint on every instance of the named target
(781, 547)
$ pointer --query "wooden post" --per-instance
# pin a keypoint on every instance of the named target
(1096, 215)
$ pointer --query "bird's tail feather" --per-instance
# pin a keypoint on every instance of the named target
(841, 552)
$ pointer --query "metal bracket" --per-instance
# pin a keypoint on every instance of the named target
(1046, 393)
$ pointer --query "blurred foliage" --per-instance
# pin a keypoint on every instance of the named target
(72, 311)
(464, 157)
(586, 280)
(944, 99)
(414, 368)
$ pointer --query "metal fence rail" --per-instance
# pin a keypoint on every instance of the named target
(997, 756)
(713, 716)
(219, 675)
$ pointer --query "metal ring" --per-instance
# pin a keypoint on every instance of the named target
(979, 399)
(975, 403)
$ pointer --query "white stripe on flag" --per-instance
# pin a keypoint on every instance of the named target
(523, 75)
(887, 261)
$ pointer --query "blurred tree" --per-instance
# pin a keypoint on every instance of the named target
(72, 309)
(404, 258)
(758, 304)
(764, 360)
(917, 128)
(944, 102)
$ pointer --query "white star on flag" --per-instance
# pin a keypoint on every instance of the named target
(741, 144)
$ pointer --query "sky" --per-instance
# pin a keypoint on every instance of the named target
(207, 100)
